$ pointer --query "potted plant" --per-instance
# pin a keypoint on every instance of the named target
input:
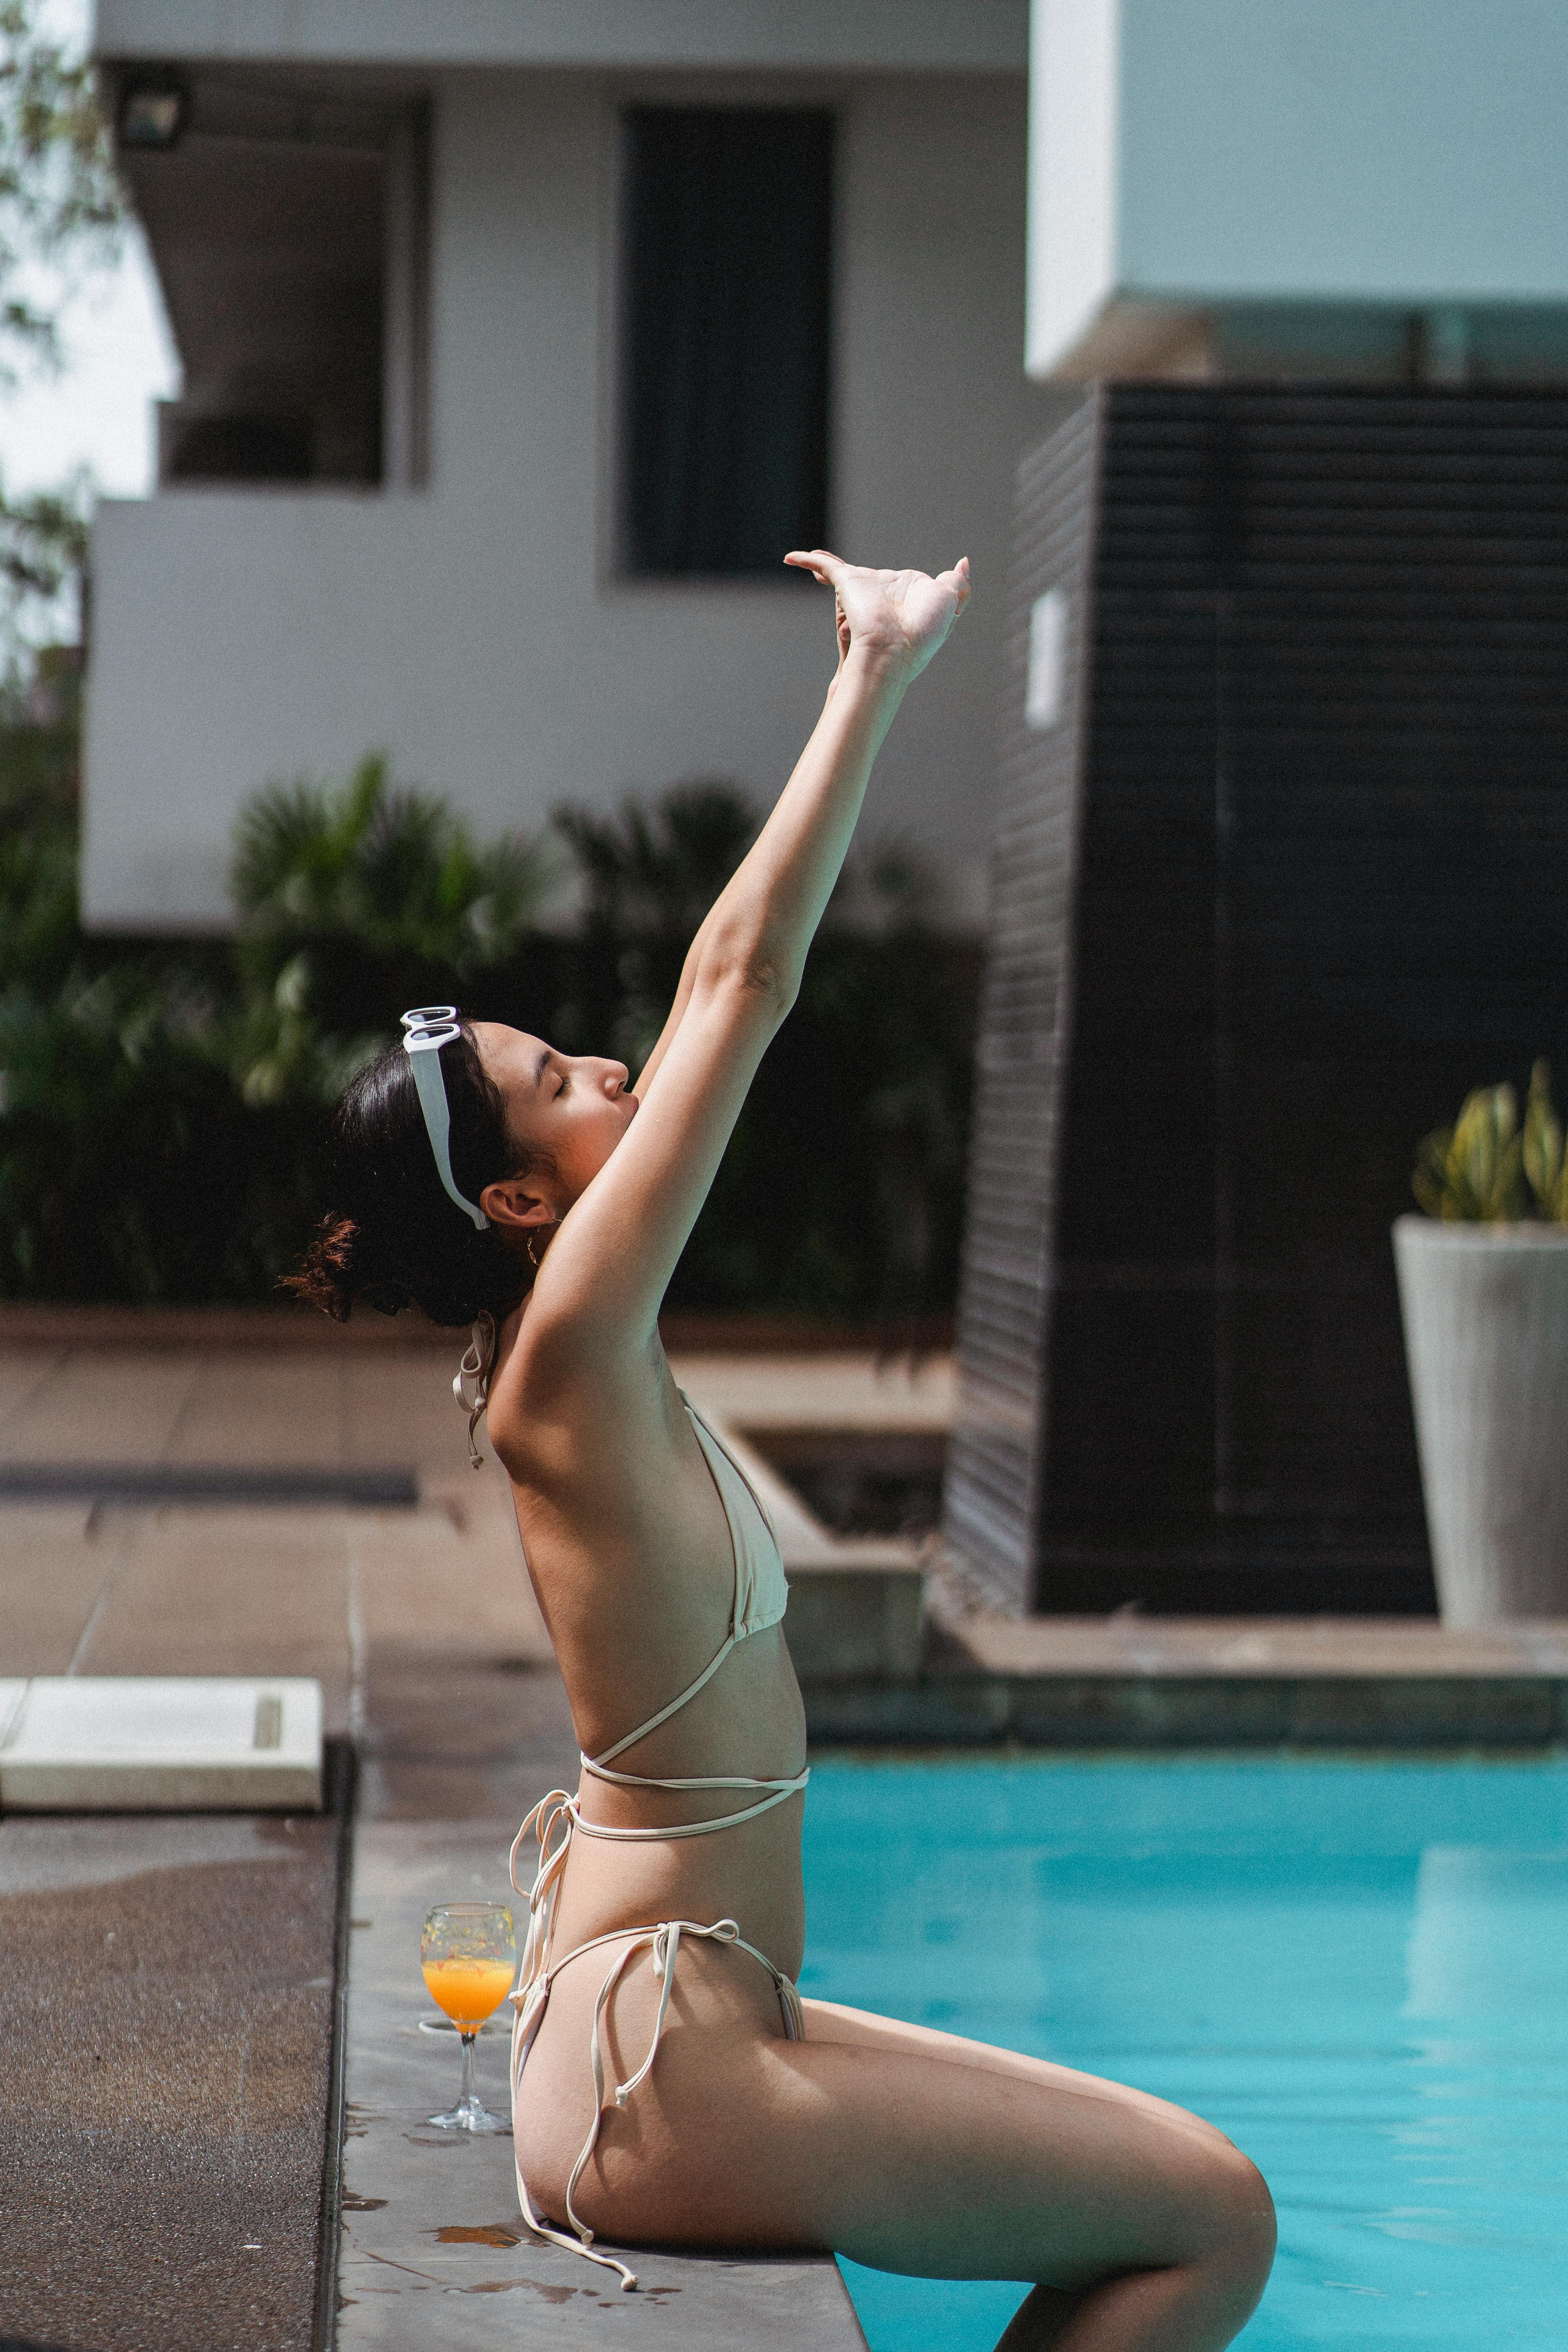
(1483, 1292)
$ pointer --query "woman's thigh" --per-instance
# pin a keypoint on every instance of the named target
(905, 2149)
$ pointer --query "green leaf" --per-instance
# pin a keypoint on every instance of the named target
(1543, 1140)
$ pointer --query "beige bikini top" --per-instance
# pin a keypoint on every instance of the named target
(761, 1598)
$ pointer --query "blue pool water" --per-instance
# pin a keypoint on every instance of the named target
(1358, 1970)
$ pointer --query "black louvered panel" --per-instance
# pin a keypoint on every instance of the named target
(1317, 887)
(1131, 1353)
(991, 1499)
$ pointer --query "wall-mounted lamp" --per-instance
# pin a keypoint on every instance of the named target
(153, 114)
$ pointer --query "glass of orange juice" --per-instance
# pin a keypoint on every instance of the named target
(469, 1957)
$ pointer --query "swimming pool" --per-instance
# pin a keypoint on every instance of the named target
(1357, 1969)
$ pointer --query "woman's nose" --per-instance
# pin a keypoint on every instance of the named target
(616, 1078)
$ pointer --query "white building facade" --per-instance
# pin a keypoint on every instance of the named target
(395, 243)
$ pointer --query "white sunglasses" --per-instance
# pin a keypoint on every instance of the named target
(426, 1029)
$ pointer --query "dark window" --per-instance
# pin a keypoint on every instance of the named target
(728, 259)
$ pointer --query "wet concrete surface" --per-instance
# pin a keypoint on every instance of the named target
(452, 1738)
(165, 2014)
(435, 2248)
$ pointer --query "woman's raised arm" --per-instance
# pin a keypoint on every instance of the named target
(617, 1247)
(889, 623)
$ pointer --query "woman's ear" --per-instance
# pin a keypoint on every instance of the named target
(514, 1204)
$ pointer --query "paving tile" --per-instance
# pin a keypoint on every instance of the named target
(401, 1408)
(159, 1744)
(116, 1404)
(1545, 1644)
(451, 1574)
(1246, 1647)
(23, 1370)
(259, 1409)
(56, 1562)
(853, 1391)
(229, 1592)
(444, 1737)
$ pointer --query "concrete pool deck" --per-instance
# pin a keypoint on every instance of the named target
(417, 1620)
(178, 1580)
(171, 2024)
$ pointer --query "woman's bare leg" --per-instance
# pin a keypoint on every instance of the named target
(1142, 2228)
(1202, 2301)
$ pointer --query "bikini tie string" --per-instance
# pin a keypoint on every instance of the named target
(550, 1823)
(663, 1942)
(471, 1387)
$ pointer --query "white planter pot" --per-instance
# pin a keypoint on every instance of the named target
(1485, 1338)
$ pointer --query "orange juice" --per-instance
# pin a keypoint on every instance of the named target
(469, 1989)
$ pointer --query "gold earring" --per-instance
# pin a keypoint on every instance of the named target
(532, 1252)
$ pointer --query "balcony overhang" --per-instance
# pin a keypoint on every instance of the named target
(928, 36)
(1358, 189)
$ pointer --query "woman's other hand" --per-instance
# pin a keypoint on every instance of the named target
(901, 617)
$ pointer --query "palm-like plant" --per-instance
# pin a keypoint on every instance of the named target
(350, 896)
(653, 872)
(393, 869)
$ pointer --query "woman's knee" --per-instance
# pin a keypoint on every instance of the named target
(1241, 2229)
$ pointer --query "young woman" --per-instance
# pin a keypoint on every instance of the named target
(669, 2086)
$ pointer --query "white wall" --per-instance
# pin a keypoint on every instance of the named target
(965, 35)
(1074, 107)
(1408, 152)
(476, 630)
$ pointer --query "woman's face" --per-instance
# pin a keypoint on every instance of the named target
(571, 1109)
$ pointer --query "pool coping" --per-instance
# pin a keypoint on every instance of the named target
(1141, 1683)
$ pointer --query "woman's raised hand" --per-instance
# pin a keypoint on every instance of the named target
(902, 615)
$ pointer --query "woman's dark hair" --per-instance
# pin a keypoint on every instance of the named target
(392, 1237)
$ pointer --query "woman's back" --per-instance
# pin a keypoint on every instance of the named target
(660, 1583)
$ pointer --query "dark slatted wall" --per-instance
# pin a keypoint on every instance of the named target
(1316, 887)
(993, 1461)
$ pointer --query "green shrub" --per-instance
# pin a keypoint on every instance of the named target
(841, 1193)
(162, 1106)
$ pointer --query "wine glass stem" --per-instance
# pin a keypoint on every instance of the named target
(469, 2094)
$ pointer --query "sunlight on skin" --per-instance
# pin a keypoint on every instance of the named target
(573, 1107)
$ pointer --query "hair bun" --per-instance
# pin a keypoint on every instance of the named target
(330, 1274)
(394, 1240)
